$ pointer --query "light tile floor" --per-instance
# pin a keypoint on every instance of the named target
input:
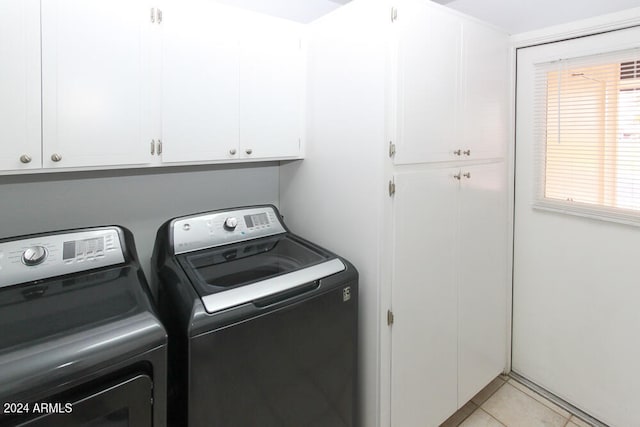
(507, 403)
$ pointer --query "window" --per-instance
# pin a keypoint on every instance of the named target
(588, 136)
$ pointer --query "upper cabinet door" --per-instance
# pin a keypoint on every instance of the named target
(200, 50)
(20, 137)
(94, 76)
(429, 53)
(485, 77)
(271, 78)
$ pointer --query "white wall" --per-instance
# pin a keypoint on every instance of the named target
(330, 198)
(140, 200)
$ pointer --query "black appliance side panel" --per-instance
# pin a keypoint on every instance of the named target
(296, 366)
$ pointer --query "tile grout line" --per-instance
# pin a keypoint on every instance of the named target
(500, 422)
(494, 392)
(542, 404)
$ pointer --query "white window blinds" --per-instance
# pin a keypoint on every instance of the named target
(588, 136)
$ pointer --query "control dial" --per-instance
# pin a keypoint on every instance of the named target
(34, 255)
(230, 223)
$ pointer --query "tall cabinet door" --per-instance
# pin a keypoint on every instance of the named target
(429, 49)
(95, 77)
(482, 327)
(424, 298)
(200, 52)
(20, 138)
(271, 79)
(485, 80)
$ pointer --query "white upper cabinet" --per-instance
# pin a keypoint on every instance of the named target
(20, 137)
(95, 83)
(200, 72)
(271, 78)
(231, 84)
(429, 46)
(452, 86)
(485, 72)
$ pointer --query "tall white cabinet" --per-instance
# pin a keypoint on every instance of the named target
(414, 195)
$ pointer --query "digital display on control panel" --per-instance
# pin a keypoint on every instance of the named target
(256, 220)
(76, 248)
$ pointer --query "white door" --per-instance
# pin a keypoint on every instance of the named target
(485, 83)
(200, 53)
(95, 83)
(20, 138)
(576, 297)
(271, 79)
(428, 82)
(424, 298)
(481, 266)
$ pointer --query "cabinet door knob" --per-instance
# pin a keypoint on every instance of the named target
(467, 152)
(457, 176)
(56, 157)
(457, 152)
(466, 175)
(232, 151)
(248, 151)
(25, 158)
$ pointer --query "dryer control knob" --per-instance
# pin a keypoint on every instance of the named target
(230, 223)
(34, 255)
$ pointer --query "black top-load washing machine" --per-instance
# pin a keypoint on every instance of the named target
(262, 323)
(80, 344)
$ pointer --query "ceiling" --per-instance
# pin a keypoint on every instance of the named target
(515, 16)
(518, 16)
(295, 10)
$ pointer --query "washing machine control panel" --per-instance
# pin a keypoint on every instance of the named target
(219, 228)
(44, 256)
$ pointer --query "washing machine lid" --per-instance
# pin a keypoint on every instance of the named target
(243, 272)
(45, 310)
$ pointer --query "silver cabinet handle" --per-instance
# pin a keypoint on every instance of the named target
(457, 176)
(232, 151)
(153, 147)
(248, 151)
(56, 157)
(457, 152)
(466, 175)
(467, 152)
(25, 158)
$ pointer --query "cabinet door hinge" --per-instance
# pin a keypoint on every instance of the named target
(156, 15)
(389, 317)
(392, 188)
(392, 149)
(394, 14)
